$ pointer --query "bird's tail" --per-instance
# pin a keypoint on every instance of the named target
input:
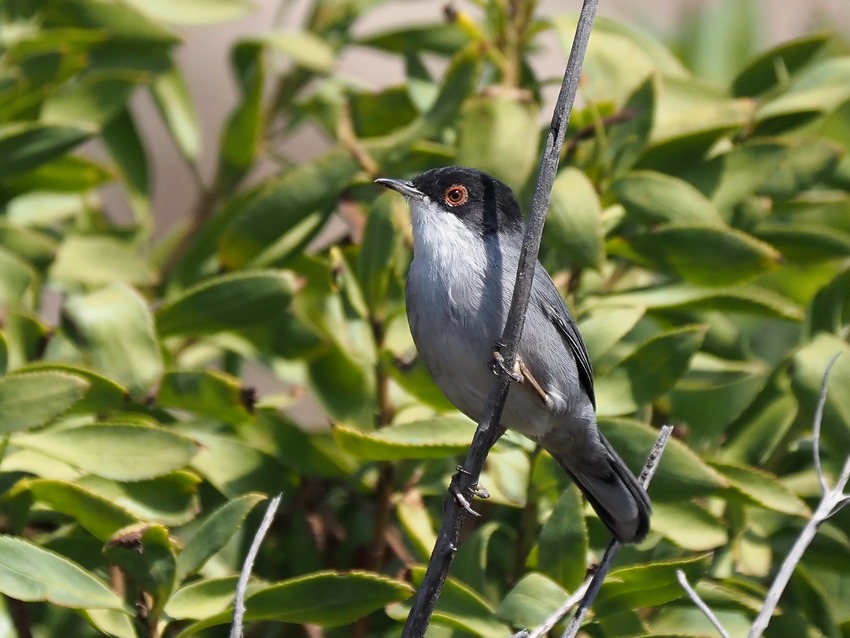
(613, 491)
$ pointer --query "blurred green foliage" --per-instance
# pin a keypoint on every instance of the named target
(699, 228)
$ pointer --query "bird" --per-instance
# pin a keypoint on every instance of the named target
(467, 236)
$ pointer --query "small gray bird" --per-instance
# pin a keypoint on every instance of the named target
(467, 235)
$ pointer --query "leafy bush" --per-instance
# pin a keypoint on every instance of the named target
(700, 230)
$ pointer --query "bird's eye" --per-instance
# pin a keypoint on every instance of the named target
(456, 195)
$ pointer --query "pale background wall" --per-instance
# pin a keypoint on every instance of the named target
(204, 57)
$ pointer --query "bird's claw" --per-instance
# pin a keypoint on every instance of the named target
(461, 500)
(476, 490)
(498, 363)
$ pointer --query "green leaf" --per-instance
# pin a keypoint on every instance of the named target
(434, 438)
(379, 113)
(562, 543)
(821, 88)
(228, 302)
(807, 371)
(65, 174)
(742, 299)
(459, 607)
(531, 601)
(770, 69)
(31, 399)
(194, 12)
(277, 206)
(444, 39)
(414, 378)
(25, 146)
(18, 281)
(806, 163)
(103, 394)
(233, 467)
(496, 134)
(688, 526)
(170, 499)
(762, 488)
(172, 97)
(98, 515)
(30, 573)
(214, 533)
(100, 260)
(114, 329)
(145, 553)
(805, 242)
(119, 20)
(648, 372)
(574, 224)
(647, 585)
(602, 329)
(122, 140)
(657, 197)
(304, 48)
(830, 309)
(116, 451)
(202, 598)
(681, 474)
(208, 393)
(376, 254)
(327, 599)
(90, 101)
(30, 245)
(706, 255)
(343, 385)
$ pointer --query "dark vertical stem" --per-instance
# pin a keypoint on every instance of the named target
(489, 428)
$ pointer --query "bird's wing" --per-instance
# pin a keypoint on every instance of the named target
(555, 309)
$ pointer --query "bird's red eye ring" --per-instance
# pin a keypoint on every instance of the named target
(456, 195)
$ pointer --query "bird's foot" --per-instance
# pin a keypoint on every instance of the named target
(498, 363)
(476, 490)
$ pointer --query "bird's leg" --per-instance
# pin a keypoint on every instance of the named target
(476, 489)
(520, 373)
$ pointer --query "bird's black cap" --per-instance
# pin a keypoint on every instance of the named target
(480, 201)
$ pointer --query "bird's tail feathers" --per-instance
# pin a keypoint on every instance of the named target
(614, 492)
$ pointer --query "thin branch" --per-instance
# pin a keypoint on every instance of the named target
(699, 602)
(598, 578)
(832, 499)
(489, 429)
(824, 487)
(242, 584)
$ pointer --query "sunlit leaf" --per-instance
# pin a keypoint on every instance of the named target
(32, 399)
(574, 225)
(434, 438)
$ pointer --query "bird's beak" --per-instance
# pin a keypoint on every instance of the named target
(402, 186)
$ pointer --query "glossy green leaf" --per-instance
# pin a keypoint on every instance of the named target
(445, 39)
(805, 242)
(122, 452)
(114, 329)
(100, 260)
(44, 208)
(562, 546)
(602, 329)
(18, 280)
(682, 474)
(808, 368)
(658, 197)
(344, 387)
(374, 114)
(744, 299)
(497, 136)
(435, 438)
(531, 601)
(206, 392)
(32, 399)
(830, 309)
(202, 598)
(574, 224)
(762, 488)
(276, 207)
(648, 372)
(123, 141)
(96, 514)
(459, 607)
(65, 174)
(120, 20)
(414, 378)
(30, 573)
(171, 94)
(214, 533)
(170, 499)
(688, 526)
(769, 69)
(327, 599)
(647, 585)
(374, 264)
(228, 302)
(806, 163)
(29, 244)
(25, 146)
(25, 337)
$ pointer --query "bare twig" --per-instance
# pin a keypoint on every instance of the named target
(832, 500)
(598, 578)
(489, 430)
(699, 602)
(242, 584)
